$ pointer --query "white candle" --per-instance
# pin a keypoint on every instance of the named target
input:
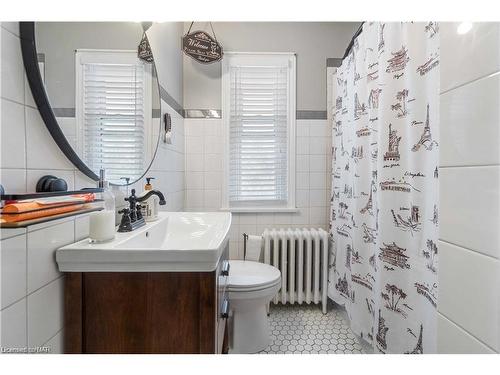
(102, 226)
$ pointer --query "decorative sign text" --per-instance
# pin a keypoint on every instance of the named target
(202, 47)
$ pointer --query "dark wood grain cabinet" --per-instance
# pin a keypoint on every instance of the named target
(146, 312)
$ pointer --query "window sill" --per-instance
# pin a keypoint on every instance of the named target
(260, 209)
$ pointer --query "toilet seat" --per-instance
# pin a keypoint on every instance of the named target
(248, 276)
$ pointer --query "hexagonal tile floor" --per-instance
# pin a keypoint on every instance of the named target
(303, 329)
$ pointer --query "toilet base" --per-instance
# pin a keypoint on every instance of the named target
(249, 330)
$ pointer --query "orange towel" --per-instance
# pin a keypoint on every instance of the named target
(36, 208)
(37, 204)
(41, 213)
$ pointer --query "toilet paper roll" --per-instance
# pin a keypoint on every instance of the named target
(254, 247)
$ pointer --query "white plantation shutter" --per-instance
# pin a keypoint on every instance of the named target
(113, 118)
(259, 119)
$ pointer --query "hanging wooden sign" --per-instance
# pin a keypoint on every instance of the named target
(202, 47)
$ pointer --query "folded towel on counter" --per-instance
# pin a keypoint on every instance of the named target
(18, 207)
(39, 213)
(29, 209)
(254, 248)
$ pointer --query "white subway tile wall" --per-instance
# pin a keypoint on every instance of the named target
(469, 274)
(32, 299)
(42, 151)
(13, 272)
(45, 313)
(204, 161)
(14, 327)
(471, 223)
(32, 287)
(469, 56)
(469, 214)
(12, 71)
(42, 245)
(470, 116)
(454, 340)
(31, 295)
(13, 154)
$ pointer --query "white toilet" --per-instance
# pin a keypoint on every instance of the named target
(251, 286)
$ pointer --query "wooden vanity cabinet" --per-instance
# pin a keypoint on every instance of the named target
(146, 312)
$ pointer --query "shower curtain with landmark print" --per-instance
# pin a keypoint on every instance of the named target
(384, 203)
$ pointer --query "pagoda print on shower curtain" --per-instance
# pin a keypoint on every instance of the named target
(384, 203)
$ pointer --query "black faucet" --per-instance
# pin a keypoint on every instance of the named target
(132, 217)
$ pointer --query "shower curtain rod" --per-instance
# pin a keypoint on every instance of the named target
(356, 34)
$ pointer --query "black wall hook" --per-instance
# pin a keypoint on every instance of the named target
(50, 183)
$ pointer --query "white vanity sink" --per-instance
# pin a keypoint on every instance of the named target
(176, 242)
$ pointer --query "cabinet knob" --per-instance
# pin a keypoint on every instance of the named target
(225, 268)
(225, 309)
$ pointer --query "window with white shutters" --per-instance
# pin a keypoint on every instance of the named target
(113, 110)
(259, 112)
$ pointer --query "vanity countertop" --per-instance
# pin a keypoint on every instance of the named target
(176, 242)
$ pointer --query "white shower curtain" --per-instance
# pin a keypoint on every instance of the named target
(384, 218)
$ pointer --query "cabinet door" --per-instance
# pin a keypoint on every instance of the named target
(147, 313)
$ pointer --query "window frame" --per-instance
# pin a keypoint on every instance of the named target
(260, 59)
(111, 56)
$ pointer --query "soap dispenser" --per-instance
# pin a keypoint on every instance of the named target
(150, 206)
(102, 223)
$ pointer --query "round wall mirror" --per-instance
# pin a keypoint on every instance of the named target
(98, 99)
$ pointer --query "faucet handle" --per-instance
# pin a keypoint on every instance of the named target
(126, 222)
(126, 213)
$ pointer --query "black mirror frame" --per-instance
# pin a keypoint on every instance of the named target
(30, 61)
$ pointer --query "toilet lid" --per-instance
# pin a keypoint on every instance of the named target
(245, 274)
